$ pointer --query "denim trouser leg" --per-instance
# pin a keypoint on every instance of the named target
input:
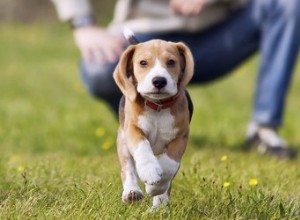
(280, 28)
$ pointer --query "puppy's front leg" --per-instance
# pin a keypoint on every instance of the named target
(147, 166)
(131, 189)
(170, 162)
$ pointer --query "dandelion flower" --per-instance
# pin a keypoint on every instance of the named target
(107, 144)
(224, 158)
(100, 132)
(226, 184)
(20, 169)
(253, 182)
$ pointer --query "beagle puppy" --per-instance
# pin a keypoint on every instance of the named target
(154, 115)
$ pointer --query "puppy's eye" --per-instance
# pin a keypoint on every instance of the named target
(170, 63)
(143, 63)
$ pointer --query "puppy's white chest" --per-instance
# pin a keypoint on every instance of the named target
(159, 128)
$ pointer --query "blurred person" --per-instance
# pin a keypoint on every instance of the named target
(221, 35)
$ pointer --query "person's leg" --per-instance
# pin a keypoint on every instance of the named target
(280, 27)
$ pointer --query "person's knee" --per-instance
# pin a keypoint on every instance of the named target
(99, 80)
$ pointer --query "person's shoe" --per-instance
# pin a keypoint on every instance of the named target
(267, 141)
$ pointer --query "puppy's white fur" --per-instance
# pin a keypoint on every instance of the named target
(159, 127)
(147, 166)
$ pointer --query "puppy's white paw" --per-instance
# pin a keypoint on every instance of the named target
(132, 195)
(161, 201)
(151, 172)
(157, 189)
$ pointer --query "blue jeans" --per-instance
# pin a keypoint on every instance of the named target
(271, 27)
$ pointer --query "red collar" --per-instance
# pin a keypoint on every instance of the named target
(162, 104)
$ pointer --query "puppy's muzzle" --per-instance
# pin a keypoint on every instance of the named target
(159, 82)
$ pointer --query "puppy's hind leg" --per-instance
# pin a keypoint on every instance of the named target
(162, 200)
(131, 189)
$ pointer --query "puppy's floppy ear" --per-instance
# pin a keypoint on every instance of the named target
(187, 65)
(124, 71)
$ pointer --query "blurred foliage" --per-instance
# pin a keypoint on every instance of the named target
(33, 11)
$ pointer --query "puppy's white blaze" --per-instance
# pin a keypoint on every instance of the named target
(147, 165)
(159, 128)
(146, 85)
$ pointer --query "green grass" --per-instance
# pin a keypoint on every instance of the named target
(58, 157)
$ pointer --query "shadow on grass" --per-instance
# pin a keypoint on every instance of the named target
(203, 142)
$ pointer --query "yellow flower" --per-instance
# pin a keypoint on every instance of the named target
(107, 144)
(224, 158)
(253, 182)
(100, 132)
(20, 169)
(226, 184)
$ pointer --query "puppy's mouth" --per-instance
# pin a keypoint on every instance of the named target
(157, 95)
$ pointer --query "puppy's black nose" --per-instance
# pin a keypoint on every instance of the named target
(159, 82)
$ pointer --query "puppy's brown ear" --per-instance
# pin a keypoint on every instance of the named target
(124, 72)
(187, 65)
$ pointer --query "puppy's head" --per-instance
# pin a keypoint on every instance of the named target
(155, 69)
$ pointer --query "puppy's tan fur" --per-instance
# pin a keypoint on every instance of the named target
(151, 143)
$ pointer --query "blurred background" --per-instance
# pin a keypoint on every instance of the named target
(30, 11)
(41, 94)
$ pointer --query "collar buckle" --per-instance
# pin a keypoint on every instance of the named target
(159, 107)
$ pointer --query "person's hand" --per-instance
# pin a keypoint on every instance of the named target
(187, 7)
(98, 45)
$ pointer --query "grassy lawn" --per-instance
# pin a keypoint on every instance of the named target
(57, 144)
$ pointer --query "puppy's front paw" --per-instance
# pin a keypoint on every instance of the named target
(150, 173)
